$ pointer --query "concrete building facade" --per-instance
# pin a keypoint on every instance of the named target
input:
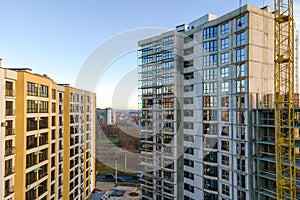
(223, 64)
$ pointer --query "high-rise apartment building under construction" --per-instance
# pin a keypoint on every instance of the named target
(206, 93)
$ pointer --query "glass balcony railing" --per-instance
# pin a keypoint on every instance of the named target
(9, 151)
(9, 190)
(9, 171)
(10, 93)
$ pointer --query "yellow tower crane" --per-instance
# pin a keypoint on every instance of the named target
(284, 99)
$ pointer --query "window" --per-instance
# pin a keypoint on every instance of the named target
(32, 89)
(53, 107)
(240, 163)
(168, 54)
(225, 101)
(225, 131)
(240, 148)
(241, 180)
(210, 46)
(209, 88)
(224, 72)
(224, 58)
(240, 86)
(240, 23)
(210, 60)
(210, 32)
(225, 145)
(147, 48)
(225, 190)
(225, 87)
(169, 64)
(188, 113)
(32, 106)
(43, 123)
(43, 91)
(189, 188)
(240, 117)
(31, 124)
(209, 101)
(225, 43)
(188, 125)
(210, 115)
(158, 57)
(241, 195)
(53, 94)
(188, 88)
(225, 116)
(225, 160)
(147, 59)
(225, 175)
(189, 151)
(31, 142)
(189, 163)
(168, 41)
(210, 74)
(189, 175)
(240, 101)
(43, 106)
(188, 100)
(240, 70)
(240, 55)
(240, 133)
(188, 138)
(240, 39)
(210, 129)
(225, 28)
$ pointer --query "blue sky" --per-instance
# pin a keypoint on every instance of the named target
(55, 37)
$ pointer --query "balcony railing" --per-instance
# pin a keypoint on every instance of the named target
(42, 191)
(42, 174)
(10, 93)
(9, 151)
(9, 112)
(9, 131)
(9, 191)
(9, 171)
(30, 180)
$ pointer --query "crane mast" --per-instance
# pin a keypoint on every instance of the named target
(284, 99)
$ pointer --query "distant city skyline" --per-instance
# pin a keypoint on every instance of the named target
(56, 37)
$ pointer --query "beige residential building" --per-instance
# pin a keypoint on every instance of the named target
(48, 148)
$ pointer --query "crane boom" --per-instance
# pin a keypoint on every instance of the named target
(284, 99)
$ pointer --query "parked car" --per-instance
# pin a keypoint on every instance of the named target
(109, 176)
(119, 179)
(137, 177)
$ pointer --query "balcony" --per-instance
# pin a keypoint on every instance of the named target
(9, 191)
(10, 93)
(9, 112)
(9, 171)
(9, 151)
(9, 131)
(42, 174)
(42, 191)
(30, 180)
